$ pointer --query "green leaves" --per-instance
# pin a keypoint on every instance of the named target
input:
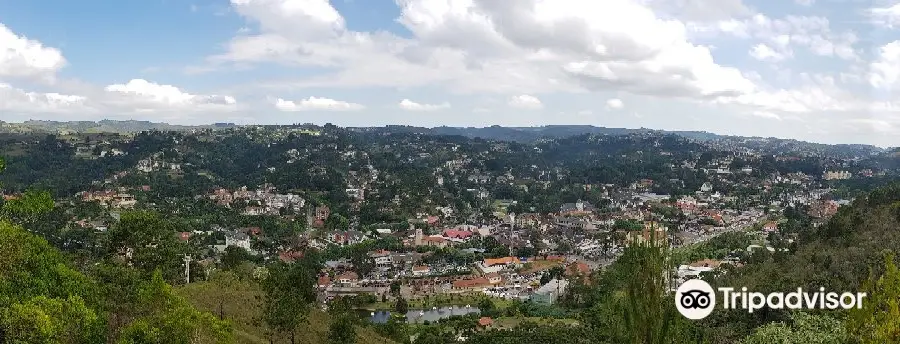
(48, 320)
(879, 319)
(289, 291)
(164, 317)
(805, 329)
(152, 242)
(341, 330)
(29, 207)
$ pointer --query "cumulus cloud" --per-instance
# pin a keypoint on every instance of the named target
(614, 103)
(887, 17)
(17, 100)
(316, 104)
(146, 96)
(484, 46)
(525, 102)
(410, 105)
(884, 72)
(21, 57)
(763, 52)
(809, 32)
(766, 114)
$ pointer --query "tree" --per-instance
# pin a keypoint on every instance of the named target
(289, 291)
(395, 288)
(233, 257)
(805, 329)
(148, 242)
(341, 330)
(402, 307)
(27, 209)
(487, 307)
(50, 320)
(164, 317)
(879, 319)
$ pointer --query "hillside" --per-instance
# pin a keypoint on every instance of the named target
(240, 305)
(840, 255)
(43, 299)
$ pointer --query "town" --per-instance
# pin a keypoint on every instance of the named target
(450, 223)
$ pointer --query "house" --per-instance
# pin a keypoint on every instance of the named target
(322, 213)
(435, 241)
(489, 262)
(382, 259)
(289, 256)
(323, 282)
(339, 264)
(577, 208)
(421, 270)
(497, 264)
(693, 270)
(485, 323)
(457, 234)
(471, 284)
(770, 227)
(493, 278)
(238, 239)
(549, 293)
(184, 236)
(347, 279)
(349, 237)
(254, 231)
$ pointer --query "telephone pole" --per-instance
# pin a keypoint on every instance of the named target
(187, 268)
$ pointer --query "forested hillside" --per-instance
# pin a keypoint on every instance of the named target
(44, 300)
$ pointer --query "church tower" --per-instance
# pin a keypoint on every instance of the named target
(418, 240)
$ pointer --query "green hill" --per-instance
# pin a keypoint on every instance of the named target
(240, 304)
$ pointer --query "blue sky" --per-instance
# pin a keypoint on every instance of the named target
(817, 70)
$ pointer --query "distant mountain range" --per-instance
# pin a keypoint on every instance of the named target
(516, 134)
(104, 126)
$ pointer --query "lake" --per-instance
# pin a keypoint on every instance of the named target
(419, 316)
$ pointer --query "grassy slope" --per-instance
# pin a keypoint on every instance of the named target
(242, 305)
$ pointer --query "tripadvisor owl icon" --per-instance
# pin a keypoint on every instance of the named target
(695, 299)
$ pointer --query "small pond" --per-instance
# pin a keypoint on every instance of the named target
(421, 315)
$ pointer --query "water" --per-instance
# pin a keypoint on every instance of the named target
(419, 316)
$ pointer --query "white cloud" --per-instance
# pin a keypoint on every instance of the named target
(763, 52)
(884, 72)
(885, 16)
(410, 105)
(316, 103)
(766, 114)
(614, 103)
(21, 57)
(17, 100)
(480, 46)
(148, 96)
(701, 10)
(810, 32)
(525, 102)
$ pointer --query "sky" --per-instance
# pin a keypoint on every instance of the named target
(815, 70)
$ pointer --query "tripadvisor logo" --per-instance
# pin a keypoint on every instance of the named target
(696, 299)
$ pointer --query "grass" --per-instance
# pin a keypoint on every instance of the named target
(511, 322)
(539, 265)
(242, 305)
